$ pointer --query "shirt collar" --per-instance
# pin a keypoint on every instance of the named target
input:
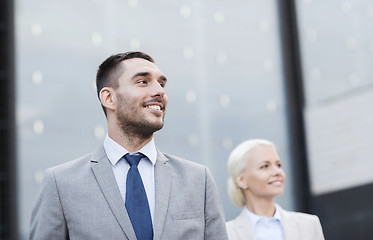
(115, 151)
(253, 218)
(277, 215)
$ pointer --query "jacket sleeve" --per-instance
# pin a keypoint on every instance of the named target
(215, 228)
(47, 219)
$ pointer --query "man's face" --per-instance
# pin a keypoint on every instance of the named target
(141, 98)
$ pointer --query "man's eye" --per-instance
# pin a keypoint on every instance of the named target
(264, 166)
(141, 81)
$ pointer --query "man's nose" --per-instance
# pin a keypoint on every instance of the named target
(157, 89)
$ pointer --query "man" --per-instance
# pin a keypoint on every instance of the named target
(108, 194)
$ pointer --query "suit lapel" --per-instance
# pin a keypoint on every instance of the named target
(103, 172)
(243, 226)
(163, 177)
(289, 231)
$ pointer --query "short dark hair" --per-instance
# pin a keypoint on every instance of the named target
(108, 72)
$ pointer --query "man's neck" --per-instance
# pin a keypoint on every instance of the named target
(130, 143)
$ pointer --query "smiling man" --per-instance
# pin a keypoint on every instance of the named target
(127, 188)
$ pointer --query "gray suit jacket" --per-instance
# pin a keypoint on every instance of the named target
(81, 200)
(295, 225)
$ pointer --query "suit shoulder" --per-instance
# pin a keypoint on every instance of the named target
(183, 162)
(305, 223)
(72, 163)
(300, 216)
(187, 169)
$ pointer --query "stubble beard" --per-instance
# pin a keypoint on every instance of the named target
(133, 128)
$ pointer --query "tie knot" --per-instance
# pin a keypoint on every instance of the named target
(133, 159)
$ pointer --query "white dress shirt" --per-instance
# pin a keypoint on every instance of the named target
(115, 152)
(266, 228)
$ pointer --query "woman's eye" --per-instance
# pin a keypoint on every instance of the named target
(264, 166)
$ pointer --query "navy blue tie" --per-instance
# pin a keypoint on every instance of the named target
(136, 200)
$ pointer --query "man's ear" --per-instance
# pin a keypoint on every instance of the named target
(108, 98)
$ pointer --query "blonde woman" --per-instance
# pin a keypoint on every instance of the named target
(256, 178)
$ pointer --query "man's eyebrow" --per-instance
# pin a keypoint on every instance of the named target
(141, 74)
(145, 74)
(163, 78)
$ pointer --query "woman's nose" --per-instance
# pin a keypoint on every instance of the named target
(277, 171)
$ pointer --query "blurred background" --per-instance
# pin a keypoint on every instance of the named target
(296, 72)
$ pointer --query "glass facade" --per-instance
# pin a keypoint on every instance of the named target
(223, 64)
(337, 50)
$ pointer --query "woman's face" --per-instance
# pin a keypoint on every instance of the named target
(263, 176)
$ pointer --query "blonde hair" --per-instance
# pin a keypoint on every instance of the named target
(237, 162)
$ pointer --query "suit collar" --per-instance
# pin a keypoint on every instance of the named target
(243, 226)
(163, 181)
(289, 231)
(102, 170)
(245, 230)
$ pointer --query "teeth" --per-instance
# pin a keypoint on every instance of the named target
(155, 107)
(277, 183)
